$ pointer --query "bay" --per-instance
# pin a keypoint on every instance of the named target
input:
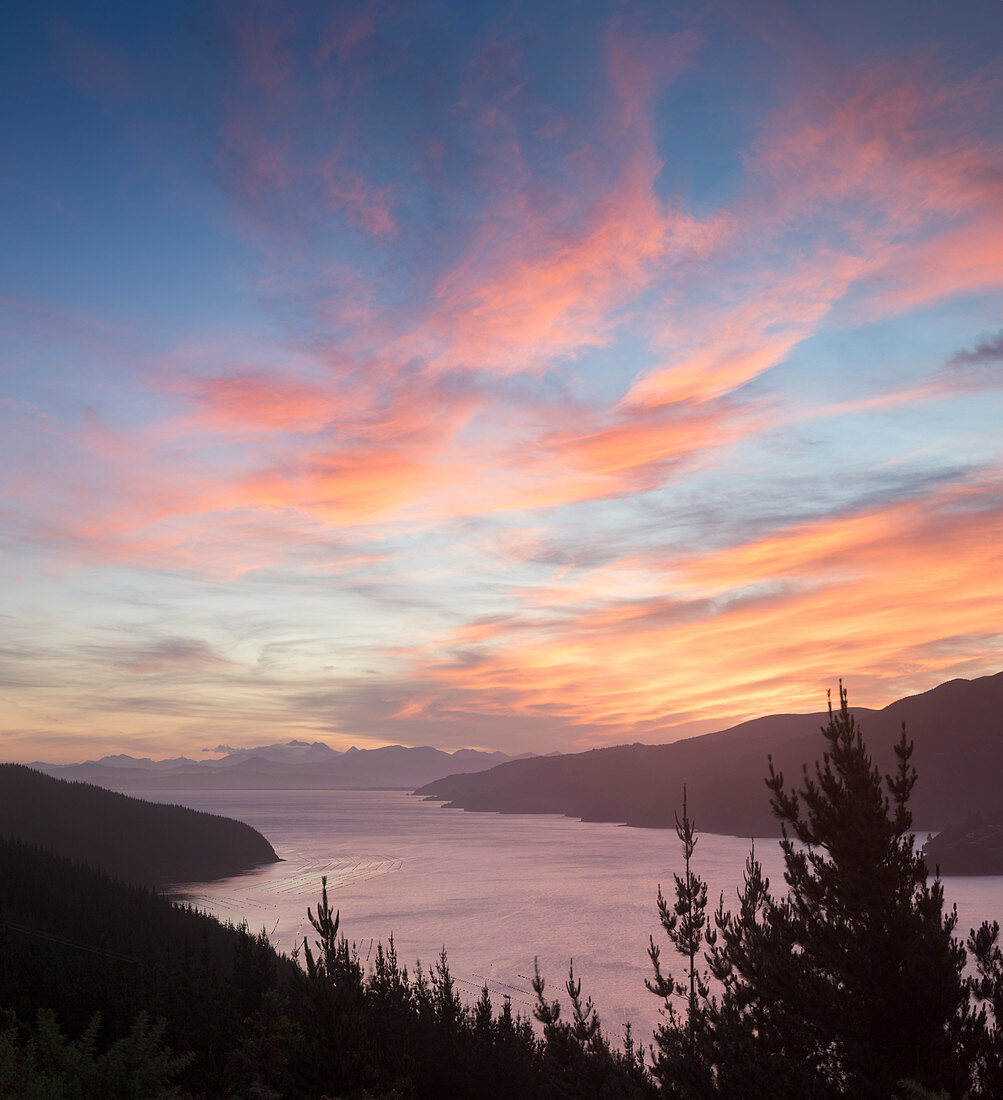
(495, 890)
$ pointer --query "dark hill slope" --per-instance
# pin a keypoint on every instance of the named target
(141, 842)
(957, 728)
(77, 942)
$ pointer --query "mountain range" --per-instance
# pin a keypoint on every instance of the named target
(957, 729)
(291, 765)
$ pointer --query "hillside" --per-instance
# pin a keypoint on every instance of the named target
(77, 942)
(957, 729)
(294, 765)
(140, 842)
(973, 848)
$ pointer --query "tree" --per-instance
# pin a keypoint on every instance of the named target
(851, 982)
(686, 924)
(579, 1060)
(42, 1064)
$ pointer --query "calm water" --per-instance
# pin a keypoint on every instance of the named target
(494, 889)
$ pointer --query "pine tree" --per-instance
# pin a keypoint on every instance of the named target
(579, 1060)
(851, 982)
(677, 1062)
(985, 1037)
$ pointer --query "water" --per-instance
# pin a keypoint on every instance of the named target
(494, 889)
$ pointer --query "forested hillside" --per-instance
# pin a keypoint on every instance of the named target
(79, 943)
(148, 843)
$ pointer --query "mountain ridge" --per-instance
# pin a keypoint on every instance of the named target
(960, 767)
(292, 765)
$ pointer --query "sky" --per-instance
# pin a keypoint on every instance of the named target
(527, 376)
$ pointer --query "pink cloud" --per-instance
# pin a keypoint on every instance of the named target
(879, 190)
(95, 67)
(537, 285)
(346, 30)
(368, 205)
(265, 402)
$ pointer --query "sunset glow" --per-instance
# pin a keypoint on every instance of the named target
(463, 375)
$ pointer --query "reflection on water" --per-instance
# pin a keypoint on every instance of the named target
(495, 890)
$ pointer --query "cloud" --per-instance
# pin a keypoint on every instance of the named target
(407, 416)
(986, 351)
(540, 284)
(757, 627)
(94, 67)
(160, 655)
(553, 261)
(368, 205)
(269, 402)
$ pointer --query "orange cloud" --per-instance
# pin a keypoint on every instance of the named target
(542, 281)
(374, 434)
(914, 589)
(721, 348)
(967, 260)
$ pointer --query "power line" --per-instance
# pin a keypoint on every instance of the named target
(69, 943)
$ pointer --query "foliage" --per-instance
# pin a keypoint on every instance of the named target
(78, 943)
(390, 1033)
(101, 959)
(42, 1064)
(686, 925)
(579, 1059)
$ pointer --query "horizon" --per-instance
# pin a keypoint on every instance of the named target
(490, 378)
(230, 750)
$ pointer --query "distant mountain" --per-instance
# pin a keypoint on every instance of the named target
(146, 843)
(293, 765)
(287, 752)
(123, 761)
(957, 729)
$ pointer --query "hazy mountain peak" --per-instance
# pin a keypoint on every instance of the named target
(282, 752)
(290, 764)
(123, 760)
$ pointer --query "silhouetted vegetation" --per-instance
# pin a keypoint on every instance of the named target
(80, 944)
(397, 1034)
(40, 1063)
(149, 843)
